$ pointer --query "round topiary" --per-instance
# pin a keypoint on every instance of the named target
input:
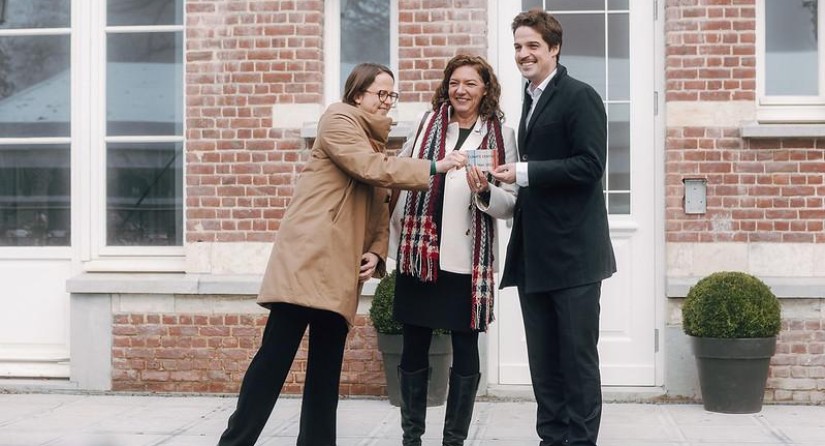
(731, 305)
(381, 309)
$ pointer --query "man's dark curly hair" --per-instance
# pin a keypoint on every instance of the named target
(543, 23)
(489, 106)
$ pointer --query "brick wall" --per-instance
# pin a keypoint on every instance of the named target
(797, 371)
(758, 190)
(243, 57)
(210, 354)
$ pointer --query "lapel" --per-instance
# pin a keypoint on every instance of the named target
(471, 143)
(548, 94)
(525, 107)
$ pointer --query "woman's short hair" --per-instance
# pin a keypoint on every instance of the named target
(489, 105)
(543, 23)
(360, 79)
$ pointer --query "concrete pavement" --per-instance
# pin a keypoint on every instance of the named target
(69, 419)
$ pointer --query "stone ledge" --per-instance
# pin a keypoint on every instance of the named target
(399, 130)
(174, 283)
(783, 287)
(755, 130)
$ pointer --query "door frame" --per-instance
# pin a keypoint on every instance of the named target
(499, 15)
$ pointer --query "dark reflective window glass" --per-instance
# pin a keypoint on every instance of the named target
(618, 4)
(144, 12)
(17, 14)
(34, 86)
(365, 34)
(583, 50)
(144, 200)
(574, 5)
(34, 195)
(618, 203)
(144, 88)
(618, 149)
(618, 57)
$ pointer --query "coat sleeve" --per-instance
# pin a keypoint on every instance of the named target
(586, 126)
(342, 139)
(378, 230)
(502, 197)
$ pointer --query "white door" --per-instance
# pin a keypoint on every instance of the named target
(610, 45)
(35, 189)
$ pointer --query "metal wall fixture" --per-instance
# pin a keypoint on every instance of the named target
(695, 195)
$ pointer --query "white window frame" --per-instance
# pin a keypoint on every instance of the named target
(90, 145)
(332, 48)
(790, 109)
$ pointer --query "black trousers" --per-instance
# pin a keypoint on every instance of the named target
(268, 370)
(562, 329)
(415, 355)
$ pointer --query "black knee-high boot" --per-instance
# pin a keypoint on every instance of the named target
(461, 398)
(413, 404)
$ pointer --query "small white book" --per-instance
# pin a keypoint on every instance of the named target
(486, 160)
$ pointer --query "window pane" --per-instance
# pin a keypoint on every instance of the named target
(144, 84)
(583, 49)
(574, 5)
(618, 203)
(617, 4)
(144, 194)
(618, 150)
(144, 12)
(365, 34)
(791, 41)
(618, 60)
(34, 195)
(16, 14)
(34, 86)
(527, 5)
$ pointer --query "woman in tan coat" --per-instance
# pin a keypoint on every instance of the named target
(332, 239)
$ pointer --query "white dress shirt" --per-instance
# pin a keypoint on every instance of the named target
(535, 93)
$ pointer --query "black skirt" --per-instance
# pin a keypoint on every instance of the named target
(442, 304)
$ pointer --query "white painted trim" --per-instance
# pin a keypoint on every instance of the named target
(38, 141)
(36, 31)
(144, 29)
(659, 214)
(332, 50)
(35, 253)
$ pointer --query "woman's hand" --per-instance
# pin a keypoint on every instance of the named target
(369, 262)
(477, 180)
(453, 160)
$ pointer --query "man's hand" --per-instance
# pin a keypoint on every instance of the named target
(369, 262)
(505, 173)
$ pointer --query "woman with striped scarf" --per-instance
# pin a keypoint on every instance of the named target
(444, 242)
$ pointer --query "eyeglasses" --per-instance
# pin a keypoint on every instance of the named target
(384, 94)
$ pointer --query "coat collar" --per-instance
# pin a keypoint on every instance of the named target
(376, 125)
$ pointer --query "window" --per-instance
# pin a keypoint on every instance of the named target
(790, 60)
(365, 31)
(34, 123)
(144, 123)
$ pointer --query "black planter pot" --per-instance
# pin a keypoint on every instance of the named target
(733, 372)
(441, 356)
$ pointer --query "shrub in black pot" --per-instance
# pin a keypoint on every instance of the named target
(390, 344)
(733, 319)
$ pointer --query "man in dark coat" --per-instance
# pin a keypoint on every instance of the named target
(560, 249)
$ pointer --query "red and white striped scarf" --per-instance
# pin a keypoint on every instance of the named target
(418, 250)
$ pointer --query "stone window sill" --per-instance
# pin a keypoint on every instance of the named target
(755, 130)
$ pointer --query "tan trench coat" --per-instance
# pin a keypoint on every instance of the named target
(338, 212)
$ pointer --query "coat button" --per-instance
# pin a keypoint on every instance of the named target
(524, 157)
